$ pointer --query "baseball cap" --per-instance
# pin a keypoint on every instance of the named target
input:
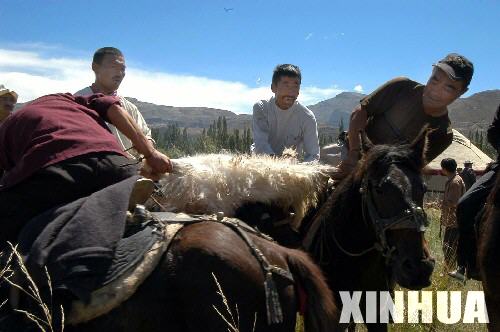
(458, 67)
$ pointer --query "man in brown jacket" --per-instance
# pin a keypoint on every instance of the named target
(453, 190)
(397, 111)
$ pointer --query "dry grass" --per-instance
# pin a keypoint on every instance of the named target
(232, 321)
(25, 284)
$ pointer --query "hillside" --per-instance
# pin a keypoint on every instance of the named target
(471, 113)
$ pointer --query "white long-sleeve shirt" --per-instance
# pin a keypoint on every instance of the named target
(275, 129)
(131, 109)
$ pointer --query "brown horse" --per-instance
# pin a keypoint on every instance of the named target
(181, 294)
(369, 234)
(489, 256)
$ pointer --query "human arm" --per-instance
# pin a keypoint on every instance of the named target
(359, 119)
(138, 118)
(260, 130)
(158, 162)
(311, 142)
(438, 141)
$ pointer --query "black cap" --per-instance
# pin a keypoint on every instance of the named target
(458, 67)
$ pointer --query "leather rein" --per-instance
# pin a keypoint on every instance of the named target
(413, 217)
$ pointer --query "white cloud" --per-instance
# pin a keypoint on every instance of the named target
(33, 74)
(358, 88)
(309, 35)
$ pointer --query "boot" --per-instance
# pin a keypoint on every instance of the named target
(458, 274)
(141, 192)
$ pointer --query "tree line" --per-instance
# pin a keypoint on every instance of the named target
(479, 139)
(176, 142)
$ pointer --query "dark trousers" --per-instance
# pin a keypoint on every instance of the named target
(468, 208)
(59, 184)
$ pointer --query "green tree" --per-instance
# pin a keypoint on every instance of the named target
(341, 125)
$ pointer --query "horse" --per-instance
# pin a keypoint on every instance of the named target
(206, 260)
(488, 255)
(369, 233)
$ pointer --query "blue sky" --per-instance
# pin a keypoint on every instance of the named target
(221, 53)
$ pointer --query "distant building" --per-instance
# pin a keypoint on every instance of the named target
(461, 149)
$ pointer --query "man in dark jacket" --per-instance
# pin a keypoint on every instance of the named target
(468, 175)
(57, 149)
(470, 205)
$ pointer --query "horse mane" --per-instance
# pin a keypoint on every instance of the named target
(378, 159)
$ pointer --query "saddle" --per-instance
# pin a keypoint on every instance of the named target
(124, 279)
(134, 260)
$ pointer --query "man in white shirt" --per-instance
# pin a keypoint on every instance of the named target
(109, 67)
(282, 122)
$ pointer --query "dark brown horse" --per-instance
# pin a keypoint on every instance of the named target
(180, 295)
(370, 231)
(489, 256)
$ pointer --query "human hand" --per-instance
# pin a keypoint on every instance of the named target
(157, 164)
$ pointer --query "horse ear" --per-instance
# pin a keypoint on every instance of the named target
(366, 144)
(420, 145)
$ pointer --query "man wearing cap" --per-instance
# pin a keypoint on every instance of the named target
(468, 175)
(469, 208)
(8, 99)
(397, 111)
(109, 67)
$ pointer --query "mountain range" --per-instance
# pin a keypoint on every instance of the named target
(466, 114)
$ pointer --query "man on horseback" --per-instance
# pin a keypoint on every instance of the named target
(282, 122)
(109, 67)
(398, 110)
(58, 148)
(469, 210)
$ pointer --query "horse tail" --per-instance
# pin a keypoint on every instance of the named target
(320, 311)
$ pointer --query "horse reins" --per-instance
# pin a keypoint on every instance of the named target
(412, 218)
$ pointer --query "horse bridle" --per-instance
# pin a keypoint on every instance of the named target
(412, 218)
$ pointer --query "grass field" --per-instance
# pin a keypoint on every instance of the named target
(440, 282)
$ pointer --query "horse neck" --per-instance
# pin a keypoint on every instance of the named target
(346, 220)
(345, 224)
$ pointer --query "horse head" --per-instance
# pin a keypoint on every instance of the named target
(392, 192)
